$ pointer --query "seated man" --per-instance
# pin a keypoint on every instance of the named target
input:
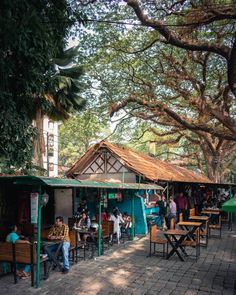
(60, 231)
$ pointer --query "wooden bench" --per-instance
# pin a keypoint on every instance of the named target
(23, 253)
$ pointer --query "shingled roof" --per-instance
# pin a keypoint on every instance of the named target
(150, 168)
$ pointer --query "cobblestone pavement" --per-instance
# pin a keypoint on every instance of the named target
(126, 269)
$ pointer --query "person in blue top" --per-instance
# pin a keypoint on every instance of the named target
(13, 237)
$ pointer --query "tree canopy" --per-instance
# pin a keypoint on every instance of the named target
(32, 33)
(182, 91)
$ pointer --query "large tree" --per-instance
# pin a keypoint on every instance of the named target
(32, 33)
(202, 26)
(184, 92)
(187, 24)
(185, 106)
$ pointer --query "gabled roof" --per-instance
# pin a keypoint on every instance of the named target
(150, 168)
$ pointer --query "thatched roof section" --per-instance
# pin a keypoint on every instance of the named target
(150, 168)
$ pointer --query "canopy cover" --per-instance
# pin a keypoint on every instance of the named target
(230, 205)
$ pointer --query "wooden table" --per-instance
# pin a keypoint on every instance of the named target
(214, 219)
(191, 227)
(52, 255)
(199, 217)
(211, 211)
(89, 244)
(205, 221)
(175, 237)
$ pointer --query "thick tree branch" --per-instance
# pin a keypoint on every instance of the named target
(232, 69)
(172, 38)
(186, 123)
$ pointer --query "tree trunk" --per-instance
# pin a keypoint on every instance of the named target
(213, 163)
(39, 142)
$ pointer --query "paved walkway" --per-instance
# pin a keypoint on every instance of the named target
(127, 270)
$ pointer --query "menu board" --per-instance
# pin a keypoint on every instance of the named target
(34, 207)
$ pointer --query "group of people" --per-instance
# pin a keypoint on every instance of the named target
(59, 231)
(120, 222)
(171, 209)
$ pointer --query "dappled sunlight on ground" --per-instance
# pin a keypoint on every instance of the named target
(126, 269)
(119, 278)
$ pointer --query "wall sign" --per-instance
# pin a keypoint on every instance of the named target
(34, 207)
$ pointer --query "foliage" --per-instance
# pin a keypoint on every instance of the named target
(183, 95)
(61, 96)
(15, 146)
(32, 33)
(78, 133)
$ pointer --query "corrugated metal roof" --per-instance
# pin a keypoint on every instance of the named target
(119, 185)
(63, 182)
(151, 168)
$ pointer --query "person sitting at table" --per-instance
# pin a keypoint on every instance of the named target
(127, 221)
(83, 222)
(13, 237)
(60, 231)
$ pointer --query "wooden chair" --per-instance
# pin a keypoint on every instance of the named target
(215, 227)
(204, 233)
(71, 222)
(193, 243)
(73, 245)
(155, 240)
(107, 233)
(181, 218)
(126, 233)
(44, 233)
(172, 223)
(192, 212)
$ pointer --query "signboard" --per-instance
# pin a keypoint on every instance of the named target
(111, 196)
(34, 207)
(118, 197)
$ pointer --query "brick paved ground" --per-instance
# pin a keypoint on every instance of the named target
(127, 270)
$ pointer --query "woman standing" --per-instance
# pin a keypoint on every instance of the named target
(117, 219)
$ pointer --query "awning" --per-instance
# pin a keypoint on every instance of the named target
(66, 182)
(46, 181)
(230, 205)
(134, 186)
